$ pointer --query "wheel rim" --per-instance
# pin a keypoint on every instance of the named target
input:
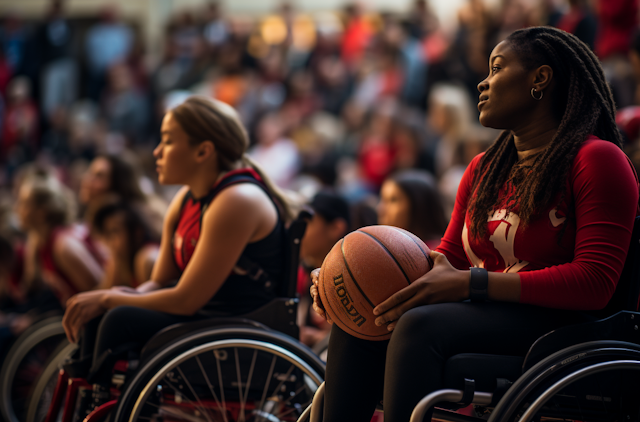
(227, 391)
(43, 334)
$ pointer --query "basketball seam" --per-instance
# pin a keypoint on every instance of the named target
(429, 260)
(346, 264)
(390, 254)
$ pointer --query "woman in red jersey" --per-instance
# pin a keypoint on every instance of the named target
(543, 217)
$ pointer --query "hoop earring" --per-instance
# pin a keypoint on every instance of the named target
(533, 95)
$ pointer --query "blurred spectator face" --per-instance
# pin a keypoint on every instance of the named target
(269, 130)
(120, 78)
(28, 215)
(96, 181)
(319, 238)
(114, 234)
(174, 153)
(394, 208)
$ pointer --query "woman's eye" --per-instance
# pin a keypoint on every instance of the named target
(494, 69)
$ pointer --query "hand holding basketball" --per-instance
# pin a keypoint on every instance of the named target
(317, 304)
(442, 284)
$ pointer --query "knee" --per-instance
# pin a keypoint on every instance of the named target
(424, 322)
(117, 318)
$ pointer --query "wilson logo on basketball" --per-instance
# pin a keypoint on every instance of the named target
(347, 302)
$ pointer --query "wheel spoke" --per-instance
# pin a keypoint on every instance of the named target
(302, 406)
(174, 412)
(266, 385)
(242, 404)
(213, 393)
(284, 378)
(224, 403)
(251, 368)
(201, 407)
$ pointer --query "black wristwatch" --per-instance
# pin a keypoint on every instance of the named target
(478, 281)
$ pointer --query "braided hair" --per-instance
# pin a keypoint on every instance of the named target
(584, 106)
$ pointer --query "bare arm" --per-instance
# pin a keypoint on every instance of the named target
(240, 214)
(75, 261)
(144, 261)
(229, 225)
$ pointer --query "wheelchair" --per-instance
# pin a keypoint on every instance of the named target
(583, 372)
(29, 354)
(249, 367)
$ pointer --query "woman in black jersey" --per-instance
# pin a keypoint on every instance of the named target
(227, 214)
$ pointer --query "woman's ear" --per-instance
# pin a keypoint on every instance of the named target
(205, 150)
(542, 77)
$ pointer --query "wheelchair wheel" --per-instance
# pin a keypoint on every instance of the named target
(605, 396)
(228, 374)
(24, 363)
(46, 383)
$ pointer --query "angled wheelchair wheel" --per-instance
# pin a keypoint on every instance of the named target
(601, 395)
(42, 392)
(24, 363)
(227, 374)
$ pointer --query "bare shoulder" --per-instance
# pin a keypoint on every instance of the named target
(67, 244)
(243, 194)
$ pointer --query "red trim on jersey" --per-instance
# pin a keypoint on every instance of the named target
(187, 232)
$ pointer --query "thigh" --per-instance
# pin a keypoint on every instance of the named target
(427, 336)
(132, 325)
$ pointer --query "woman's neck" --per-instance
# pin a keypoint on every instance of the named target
(534, 139)
(203, 181)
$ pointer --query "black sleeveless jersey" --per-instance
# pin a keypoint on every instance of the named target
(253, 281)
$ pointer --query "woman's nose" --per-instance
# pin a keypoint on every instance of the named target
(156, 151)
(482, 85)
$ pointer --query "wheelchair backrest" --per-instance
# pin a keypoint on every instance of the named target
(295, 232)
(625, 297)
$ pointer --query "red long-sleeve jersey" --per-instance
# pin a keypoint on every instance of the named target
(578, 270)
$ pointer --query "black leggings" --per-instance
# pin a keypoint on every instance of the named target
(121, 326)
(410, 365)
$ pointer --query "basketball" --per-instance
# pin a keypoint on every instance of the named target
(365, 268)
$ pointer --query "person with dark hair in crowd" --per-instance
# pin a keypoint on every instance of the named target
(110, 179)
(228, 220)
(544, 217)
(410, 200)
(133, 245)
(330, 223)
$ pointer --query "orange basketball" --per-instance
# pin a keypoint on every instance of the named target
(365, 268)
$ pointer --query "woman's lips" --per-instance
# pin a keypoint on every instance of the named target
(481, 103)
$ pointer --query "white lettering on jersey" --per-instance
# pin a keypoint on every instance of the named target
(503, 241)
(554, 218)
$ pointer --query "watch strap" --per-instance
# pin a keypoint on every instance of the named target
(478, 282)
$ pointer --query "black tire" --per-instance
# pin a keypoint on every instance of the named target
(23, 364)
(221, 374)
(555, 367)
(46, 383)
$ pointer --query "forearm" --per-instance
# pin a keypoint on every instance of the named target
(170, 301)
(149, 286)
(504, 287)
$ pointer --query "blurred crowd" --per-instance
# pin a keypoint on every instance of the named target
(339, 102)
